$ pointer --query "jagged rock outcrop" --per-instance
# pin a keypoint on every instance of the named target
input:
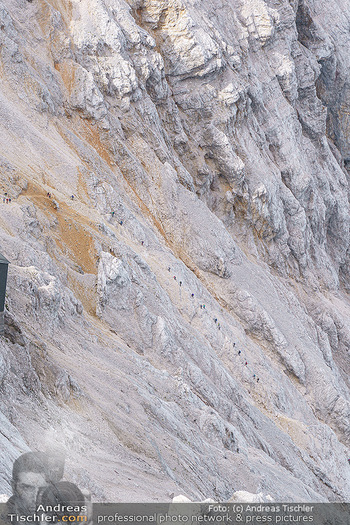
(177, 310)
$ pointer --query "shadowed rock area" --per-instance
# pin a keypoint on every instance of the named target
(177, 311)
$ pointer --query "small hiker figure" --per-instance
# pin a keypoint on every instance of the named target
(215, 320)
(192, 294)
(169, 269)
(201, 306)
(204, 306)
(258, 380)
(72, 197)
(7, 201)
(246, 363)
(142, 242)
(239, 352)
(180, 283)
(233, 344)
(174, 278)
(254, 376)
(121, 223)
(113, 213)
(10, 200)
(4, 200)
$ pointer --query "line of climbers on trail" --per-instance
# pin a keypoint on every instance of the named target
(180, 284)
(216, 321)
(120, 222)
(239, 353)
(6, 199)
(201, 306)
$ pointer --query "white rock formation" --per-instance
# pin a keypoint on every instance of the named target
(242, 496)
(181, 324)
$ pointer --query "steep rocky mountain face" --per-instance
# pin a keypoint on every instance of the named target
(178, 295)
